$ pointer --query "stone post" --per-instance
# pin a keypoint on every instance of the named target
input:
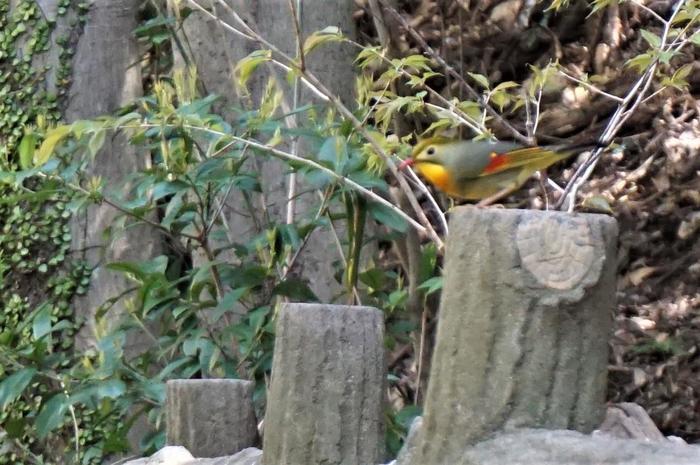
(325, 403)
(523, 328)
(211, 417)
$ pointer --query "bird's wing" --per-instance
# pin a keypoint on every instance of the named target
(537, 156)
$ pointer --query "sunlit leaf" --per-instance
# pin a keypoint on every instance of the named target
(53, 137)
(324, 36)
(482, 80)
(245, 67)
(640, 62)
(652, 39)
(26, 149)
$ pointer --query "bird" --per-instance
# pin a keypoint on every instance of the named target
(481, 169)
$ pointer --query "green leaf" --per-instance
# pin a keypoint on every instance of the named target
(557, 4)
(256, 317)
(96, 142)
(374, 278)
(387, 217)
(12, 386)
(152, 25)
(652, 39)
(295, 289)
(482, 80)
(112, 388)
(640, 62)
(245, 67)
(139, 271)
(431, 285)
(52, 415)
(505, 85)
(42, 322)
(165, 188)
(53, 137)
(227, 304)
(326, 35)
(334, 154)
(26, 149)
(407, 414)
(695, 38)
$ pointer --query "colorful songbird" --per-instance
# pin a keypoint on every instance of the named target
(476, 170)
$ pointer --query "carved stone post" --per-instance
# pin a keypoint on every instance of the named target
(325, 404)
(523, 328)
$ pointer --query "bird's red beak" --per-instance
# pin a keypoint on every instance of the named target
(405, 163)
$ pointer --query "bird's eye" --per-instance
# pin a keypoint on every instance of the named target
(431, 151)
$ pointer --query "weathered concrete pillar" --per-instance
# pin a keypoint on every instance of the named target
(523, 328)
(325, 404)
(211, 417)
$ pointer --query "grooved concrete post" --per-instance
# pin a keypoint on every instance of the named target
(326, 398)
(211, 417)
(523, 329)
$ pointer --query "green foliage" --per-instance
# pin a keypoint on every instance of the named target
(38, 278)
(37, 326)
(213, 318)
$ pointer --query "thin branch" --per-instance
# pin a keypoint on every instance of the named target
(635, 96)
(236, 31)
(296, 11)
(648, 10)
(305, 161)
(452, 72)
(424, 189)
(590, 87)
(116, 206)
(424, 224)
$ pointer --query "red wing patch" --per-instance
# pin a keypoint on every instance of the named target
(514, 158)
(497, 161)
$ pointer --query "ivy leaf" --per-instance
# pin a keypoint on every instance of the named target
(12, 386)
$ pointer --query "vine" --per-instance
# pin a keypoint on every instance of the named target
(38, 277)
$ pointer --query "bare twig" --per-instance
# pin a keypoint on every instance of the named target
(635, 96)
(590, 87)
(455, 75)
(295, 7)
(648, 10)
